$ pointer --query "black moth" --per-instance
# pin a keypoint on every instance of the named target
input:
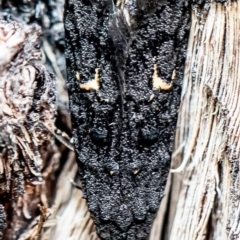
(125, 63)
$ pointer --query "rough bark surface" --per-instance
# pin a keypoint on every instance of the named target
(207, 139)
(27, 114)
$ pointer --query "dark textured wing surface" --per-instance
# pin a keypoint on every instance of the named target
(125, 63)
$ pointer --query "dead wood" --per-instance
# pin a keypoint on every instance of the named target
(205, 182)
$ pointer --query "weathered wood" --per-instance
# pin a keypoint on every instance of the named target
(208, 129)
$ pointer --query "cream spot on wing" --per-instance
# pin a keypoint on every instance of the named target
(158, 82)
(174, 74)
(151, 97)
(92, 84)
(136, 172)
(78, 76)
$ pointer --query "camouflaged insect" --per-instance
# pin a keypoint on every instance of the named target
(125, 63)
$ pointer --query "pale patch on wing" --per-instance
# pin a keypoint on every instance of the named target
(92, 84)
(151, 98)
(136, 171)
(158, 82)
(78, 76)
(174, 74)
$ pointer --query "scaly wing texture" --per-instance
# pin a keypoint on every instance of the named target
(125, 63)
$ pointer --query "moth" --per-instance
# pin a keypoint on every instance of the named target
(125, 61)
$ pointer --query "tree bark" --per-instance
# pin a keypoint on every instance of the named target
(205, 168)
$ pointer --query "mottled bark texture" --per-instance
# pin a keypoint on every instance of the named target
(27, 112)
(28, 154)
(125, 63)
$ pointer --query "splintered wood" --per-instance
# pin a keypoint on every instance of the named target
(208, 205)
(70, 212)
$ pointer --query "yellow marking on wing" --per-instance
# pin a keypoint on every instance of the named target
(92, 84)
(151, 97)
(78, 76)
(136, 171)
(158, 82)
(173, 74)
